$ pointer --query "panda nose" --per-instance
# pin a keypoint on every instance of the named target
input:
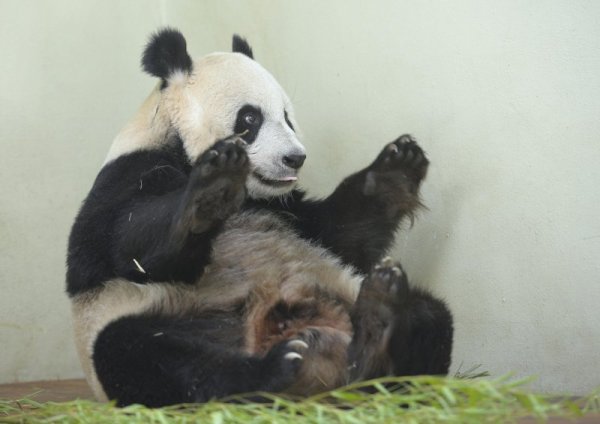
(294, 161)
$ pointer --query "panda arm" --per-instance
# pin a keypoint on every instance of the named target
(149, 243)
(127, 216)
(358, 220)
(353, 227)
(166, 232)
(150, 216)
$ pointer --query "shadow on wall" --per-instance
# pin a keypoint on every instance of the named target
(424, 246)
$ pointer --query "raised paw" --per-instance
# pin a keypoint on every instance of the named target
(225, 156)
(381, 298)
(387, 281)
(217, 185)
(281, 364)
(389, 277)
(403, 155)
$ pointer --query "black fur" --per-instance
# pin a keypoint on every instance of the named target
(287, 120)
(247, 131)
(240, 45)
(359, 219)
(145, 206)
(166, 53)
(159, 360)
(143, 210)
(419, 328)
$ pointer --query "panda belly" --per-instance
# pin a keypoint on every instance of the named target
(288, 288)
(295, 290)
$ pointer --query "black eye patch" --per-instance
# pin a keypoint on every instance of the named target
(248, 122)
(287, 120)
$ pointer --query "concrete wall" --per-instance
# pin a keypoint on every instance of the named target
(504, 97)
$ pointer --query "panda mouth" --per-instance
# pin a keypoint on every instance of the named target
(282, 182)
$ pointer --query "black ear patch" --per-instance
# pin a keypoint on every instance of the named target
(166, 53)
(240, 45)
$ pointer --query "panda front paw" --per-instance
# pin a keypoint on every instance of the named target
(216, 188)
(225, 158)
(401, 161)
(282, 363)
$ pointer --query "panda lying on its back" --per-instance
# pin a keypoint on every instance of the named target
(196, 270)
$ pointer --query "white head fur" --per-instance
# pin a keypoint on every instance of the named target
(202, 100)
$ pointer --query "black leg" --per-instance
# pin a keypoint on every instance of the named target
(159, 361)
(359, 219)
(421, 340)
(398, 330)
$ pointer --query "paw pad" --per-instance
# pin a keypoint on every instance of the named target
(403, 155)
(388, 278)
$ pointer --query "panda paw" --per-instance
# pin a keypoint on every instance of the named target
(225, 157)
(381, 293)
(216, 188)
(375, 311)
(281, 365)
(388, 279)
(403, 156)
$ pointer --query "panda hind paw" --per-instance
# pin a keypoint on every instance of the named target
(389, 279)
(405, 155)
(282, 364)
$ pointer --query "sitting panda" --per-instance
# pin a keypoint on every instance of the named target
(197, 269)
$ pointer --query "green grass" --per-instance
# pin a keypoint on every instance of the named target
(422, 400)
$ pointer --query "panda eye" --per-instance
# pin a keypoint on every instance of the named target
(287, 120)
(251, 118)
(248, 121)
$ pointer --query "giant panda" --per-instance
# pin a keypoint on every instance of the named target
(197, 269)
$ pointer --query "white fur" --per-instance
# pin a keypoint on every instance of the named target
(147, 129)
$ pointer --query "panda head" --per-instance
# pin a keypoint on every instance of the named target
(219, 95)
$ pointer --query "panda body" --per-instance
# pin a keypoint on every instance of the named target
(197, 270)
(257, 261)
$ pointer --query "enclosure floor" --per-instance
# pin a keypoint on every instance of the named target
(45, 391)
(65, 390)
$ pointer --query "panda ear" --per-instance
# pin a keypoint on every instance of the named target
(240, 45)
(166, 54)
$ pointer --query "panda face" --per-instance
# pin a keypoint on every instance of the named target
(274, 165)
(213, 98)
(229, 93)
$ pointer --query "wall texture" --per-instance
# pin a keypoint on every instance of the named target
(504, 96)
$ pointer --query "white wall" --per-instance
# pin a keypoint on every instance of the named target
(69, 78)
(504, 96)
